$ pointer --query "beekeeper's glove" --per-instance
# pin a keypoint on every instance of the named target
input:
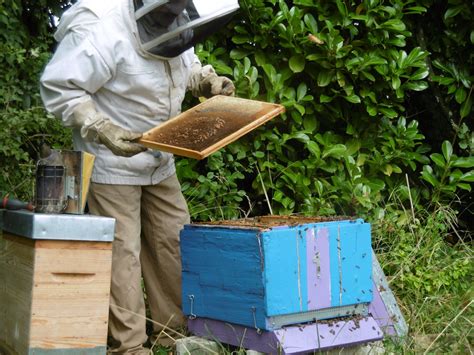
(217, 85)
(212, 84)
(95, 126)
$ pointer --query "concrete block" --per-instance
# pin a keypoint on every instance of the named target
(197, 346)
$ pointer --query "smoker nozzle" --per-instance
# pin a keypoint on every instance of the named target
(14, 204)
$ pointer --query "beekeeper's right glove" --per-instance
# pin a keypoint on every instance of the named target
(95, 126)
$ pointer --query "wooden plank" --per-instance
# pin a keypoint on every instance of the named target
(87, 168)
(72, 245)
(71, 295)
(356, 263)
(384, 307)
(222, 274)
(351, 264)
(285, 271)
(79, 166)
(16, 282)
(299, 339)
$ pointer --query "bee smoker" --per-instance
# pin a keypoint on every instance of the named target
(50, 187)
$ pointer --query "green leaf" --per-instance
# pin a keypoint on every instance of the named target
(464, 162)
(466, 107)
(460, 95)
(310, 123)
(238, 54)
(396, 82)
(271, 72)
(353, 146)
(452, 89)
(395, 25)
(444, 81)
(390, 113)
(325, 77)
(368, 75)
(260, 58)
(416, 86)
(453, 11)
(438, 160)
(417, 9)
(300, 136)
(301, 91)
(311, 23)
(301, 109)
(447, 150)
(240, 39)
(428, 176)
(396, 169)
(420, 74)
(324, 99)
(371, 110)
(464, 186)
(353, 99)
(388, 170)
(314, 148)
(297, 63)
(469, 176)
(336, 150)
(342, 8)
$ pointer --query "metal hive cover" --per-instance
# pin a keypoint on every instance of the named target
(209, 126)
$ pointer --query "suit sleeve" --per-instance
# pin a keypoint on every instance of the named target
(198, 74)
(76, 71)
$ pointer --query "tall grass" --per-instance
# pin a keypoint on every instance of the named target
(429, 265)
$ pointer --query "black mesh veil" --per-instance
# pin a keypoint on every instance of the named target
(168, 28)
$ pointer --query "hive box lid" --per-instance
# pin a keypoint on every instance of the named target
(59, 226)
(209, 126)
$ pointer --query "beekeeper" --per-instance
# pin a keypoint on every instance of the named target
(121, 68)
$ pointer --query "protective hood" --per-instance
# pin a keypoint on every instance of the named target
(167, 28)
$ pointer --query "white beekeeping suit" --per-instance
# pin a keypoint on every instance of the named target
(101, 59)
(121, 68)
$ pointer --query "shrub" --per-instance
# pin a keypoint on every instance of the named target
(348, 74)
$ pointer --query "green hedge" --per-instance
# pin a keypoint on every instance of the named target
(357, 79)
(378, 97)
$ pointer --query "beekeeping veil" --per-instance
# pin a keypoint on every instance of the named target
(166, 28)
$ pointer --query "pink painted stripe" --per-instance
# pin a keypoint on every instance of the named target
(318, 269)
(312, 268)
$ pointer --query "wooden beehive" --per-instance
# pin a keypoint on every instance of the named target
(274, 271)
(54, 283)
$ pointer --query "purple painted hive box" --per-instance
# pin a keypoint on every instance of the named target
(269, 272)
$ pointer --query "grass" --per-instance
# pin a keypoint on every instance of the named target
(431, 277)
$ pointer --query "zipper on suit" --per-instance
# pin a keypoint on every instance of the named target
(171, 81)
(170, 108)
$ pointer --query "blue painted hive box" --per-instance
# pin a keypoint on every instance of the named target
(268, 272)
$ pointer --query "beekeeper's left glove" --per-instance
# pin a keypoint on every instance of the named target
(217, 85)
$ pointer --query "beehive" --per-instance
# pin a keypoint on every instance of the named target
(269, 272)
(54, 283)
